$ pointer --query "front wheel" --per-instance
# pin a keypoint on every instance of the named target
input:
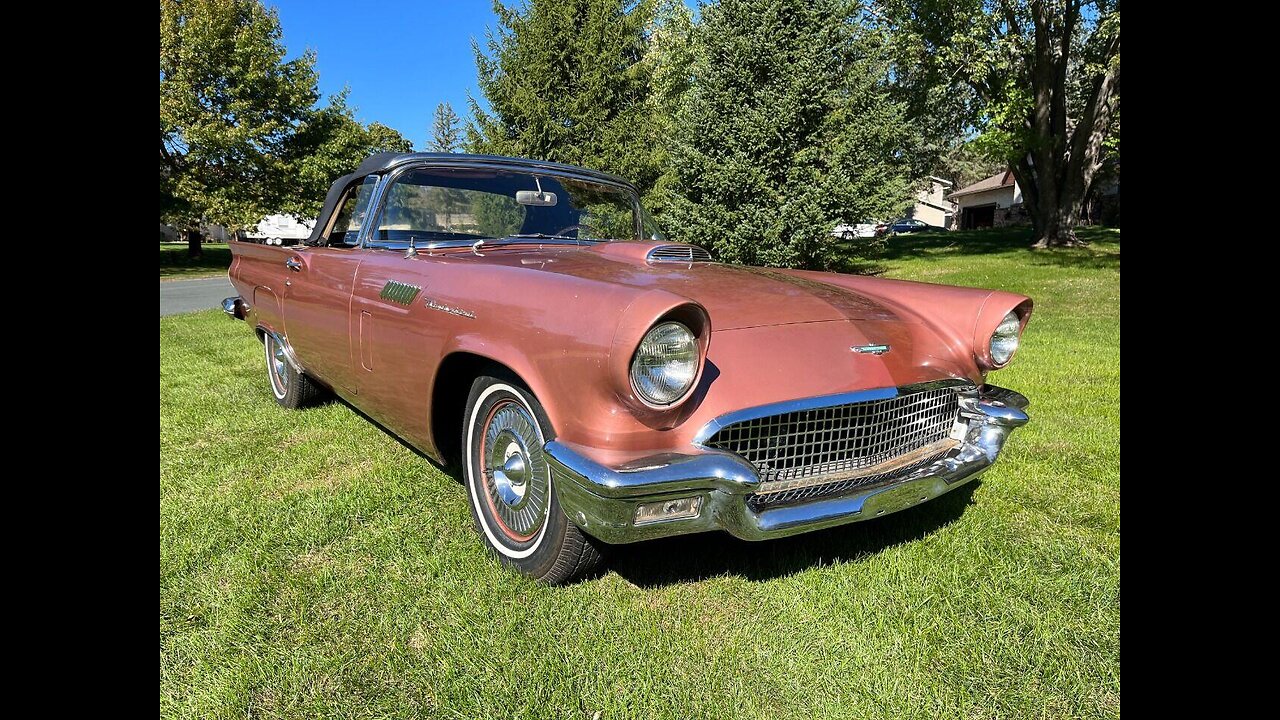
(511, 488)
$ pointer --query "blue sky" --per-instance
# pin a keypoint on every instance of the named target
(399, 58)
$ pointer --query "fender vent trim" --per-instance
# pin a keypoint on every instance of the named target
(678, 253)
(398, 292)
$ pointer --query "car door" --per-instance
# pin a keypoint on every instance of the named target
(396, 336)
(407, 305)
(317, 300)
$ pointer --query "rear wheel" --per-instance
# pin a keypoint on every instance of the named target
(290, 388)
(511, 488)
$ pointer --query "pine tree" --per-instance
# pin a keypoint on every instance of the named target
(446, 135)
(788, 131)
(565, 81)
(669, 59)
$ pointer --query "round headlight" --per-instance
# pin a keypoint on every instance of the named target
(665, 364)
(1004, 341)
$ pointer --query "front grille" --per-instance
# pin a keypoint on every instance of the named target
(809, 453)
(764, 501)
(679, 253)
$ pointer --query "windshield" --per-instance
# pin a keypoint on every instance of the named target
(432, 205)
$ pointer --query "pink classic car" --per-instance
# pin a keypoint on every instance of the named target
(598, 384)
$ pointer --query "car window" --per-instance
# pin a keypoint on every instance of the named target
(351, 215)
(443, 204)
(416, 208)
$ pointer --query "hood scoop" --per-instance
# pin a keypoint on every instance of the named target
(678, 253)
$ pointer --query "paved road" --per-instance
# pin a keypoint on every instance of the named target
(181, 296)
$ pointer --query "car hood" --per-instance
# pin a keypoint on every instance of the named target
(735, 297)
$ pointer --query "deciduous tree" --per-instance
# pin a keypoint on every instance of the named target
(328, 144)
(1039, 78)
(229, 105)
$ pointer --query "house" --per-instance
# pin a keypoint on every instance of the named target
(932, 205)
(992, 202)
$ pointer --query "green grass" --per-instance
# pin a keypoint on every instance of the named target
(176, 265)
(312, 566)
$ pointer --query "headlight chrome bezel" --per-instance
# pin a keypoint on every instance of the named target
(688, 375)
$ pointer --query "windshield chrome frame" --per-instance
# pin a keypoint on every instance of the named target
(378, 203)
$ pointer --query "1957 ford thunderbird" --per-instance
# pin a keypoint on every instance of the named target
(597, 384)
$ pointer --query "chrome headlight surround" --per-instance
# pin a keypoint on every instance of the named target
(1005, 340)
(665, 365)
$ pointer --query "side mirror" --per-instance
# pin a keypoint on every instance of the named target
(536, 198)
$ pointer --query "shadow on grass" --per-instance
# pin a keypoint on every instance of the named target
(690, 558)
(175, 263)
(1011, 240)
(1082, 258)
(960, 242)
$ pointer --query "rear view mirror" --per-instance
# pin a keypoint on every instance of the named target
(537, 198)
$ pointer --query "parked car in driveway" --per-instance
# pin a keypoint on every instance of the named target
(905, 225)
(599, 384)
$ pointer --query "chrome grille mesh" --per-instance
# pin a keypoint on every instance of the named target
(679, 253)
(807, 453)
(761, 501)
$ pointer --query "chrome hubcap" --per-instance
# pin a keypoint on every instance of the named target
(276, 360)
(510, 478)
(515, 470)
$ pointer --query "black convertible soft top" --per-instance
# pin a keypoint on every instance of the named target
(379, 163)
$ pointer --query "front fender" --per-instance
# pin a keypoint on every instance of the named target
(962, 317)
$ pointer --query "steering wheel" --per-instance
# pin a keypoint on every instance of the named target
(594, 231)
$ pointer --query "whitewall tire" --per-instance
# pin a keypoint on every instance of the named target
(510, 485)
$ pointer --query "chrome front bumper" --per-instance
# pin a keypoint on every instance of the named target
(603, 500)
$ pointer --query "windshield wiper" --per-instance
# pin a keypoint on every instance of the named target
(475, 246)
(540, 236)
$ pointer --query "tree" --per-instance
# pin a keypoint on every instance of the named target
(788, 130)
(565, 82)
(965, 163)
(328, 144)
(382, 138)
(446, 135)
(1040, 79)
(229, 105)
(669, 60)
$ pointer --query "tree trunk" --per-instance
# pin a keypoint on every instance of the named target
(1054, 226)
(193, 237)
(1052, 201)
(1056, 171)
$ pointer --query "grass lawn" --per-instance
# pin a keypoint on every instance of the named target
(311, 565)
(175, 265)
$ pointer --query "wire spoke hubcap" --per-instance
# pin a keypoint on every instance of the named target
(515, 471)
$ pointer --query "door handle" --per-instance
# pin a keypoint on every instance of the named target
(293, 264)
